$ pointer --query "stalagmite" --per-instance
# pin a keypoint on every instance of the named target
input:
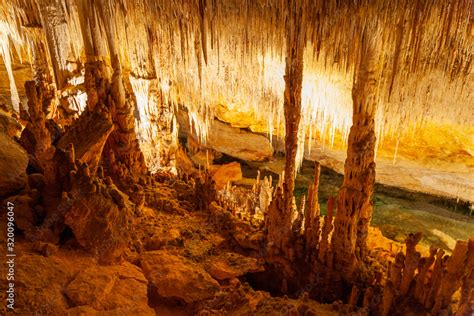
(466, 303)
(295, 42)
(326, 230)
(452, 276)
(354, 205)
(312, 216)
(423, 270)
(36, 137)
(412, 259)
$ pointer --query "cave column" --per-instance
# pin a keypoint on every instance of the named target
(354, 205)
(280, 224)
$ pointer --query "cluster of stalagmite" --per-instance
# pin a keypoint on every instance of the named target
(245, 204)
(437, 278)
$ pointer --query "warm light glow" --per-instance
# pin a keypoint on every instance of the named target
(9, 34)
(141, 89)
(78, 102)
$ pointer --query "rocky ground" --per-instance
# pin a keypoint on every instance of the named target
(187, 267)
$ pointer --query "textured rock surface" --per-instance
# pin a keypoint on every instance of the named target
(226, 173)
(110, 288)
(354, 204)
(9, 125)
(13, 163)
(173, 277)
(238, 143)
(232, 141)
(88, 135)
(39, 281)
(99, 215)
(231, 265)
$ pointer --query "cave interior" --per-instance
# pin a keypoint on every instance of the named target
(237, 157)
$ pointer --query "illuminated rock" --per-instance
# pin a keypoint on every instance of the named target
(231, 265)
(13, 163)
(115, 289)
(99, 215)
(238, 143)
(172, 277)
(232, 141)
(88, 135)
(226, 173)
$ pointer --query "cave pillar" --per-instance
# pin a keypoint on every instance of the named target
(295, 32)
(354, 205)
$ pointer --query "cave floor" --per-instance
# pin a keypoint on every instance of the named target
(195, 264)
(397, 212)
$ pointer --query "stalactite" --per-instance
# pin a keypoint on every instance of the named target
(56, 30)
(329, 58)
(295, 43)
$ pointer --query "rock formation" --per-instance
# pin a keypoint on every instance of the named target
(127, 174)
(354, 205)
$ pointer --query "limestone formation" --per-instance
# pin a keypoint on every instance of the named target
(140, 139)
(99, 214)
(295, 33)
(235, 142)
(87, 146)
(226, 173)
(354, 205)
(312, 216)
(37, 138)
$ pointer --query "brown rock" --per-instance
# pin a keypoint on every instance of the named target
(13, 163)
(99, 215)
(232, 265)
(88, 135)
(9, 125)
(39, 282)
(238, 143)
(172, 277)
(162, 238)
(232, 141)
(46, 249)
(25, 218)
(227, 173)
(110, 288)
(183, 162)
(203, 158)
(131, 310)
